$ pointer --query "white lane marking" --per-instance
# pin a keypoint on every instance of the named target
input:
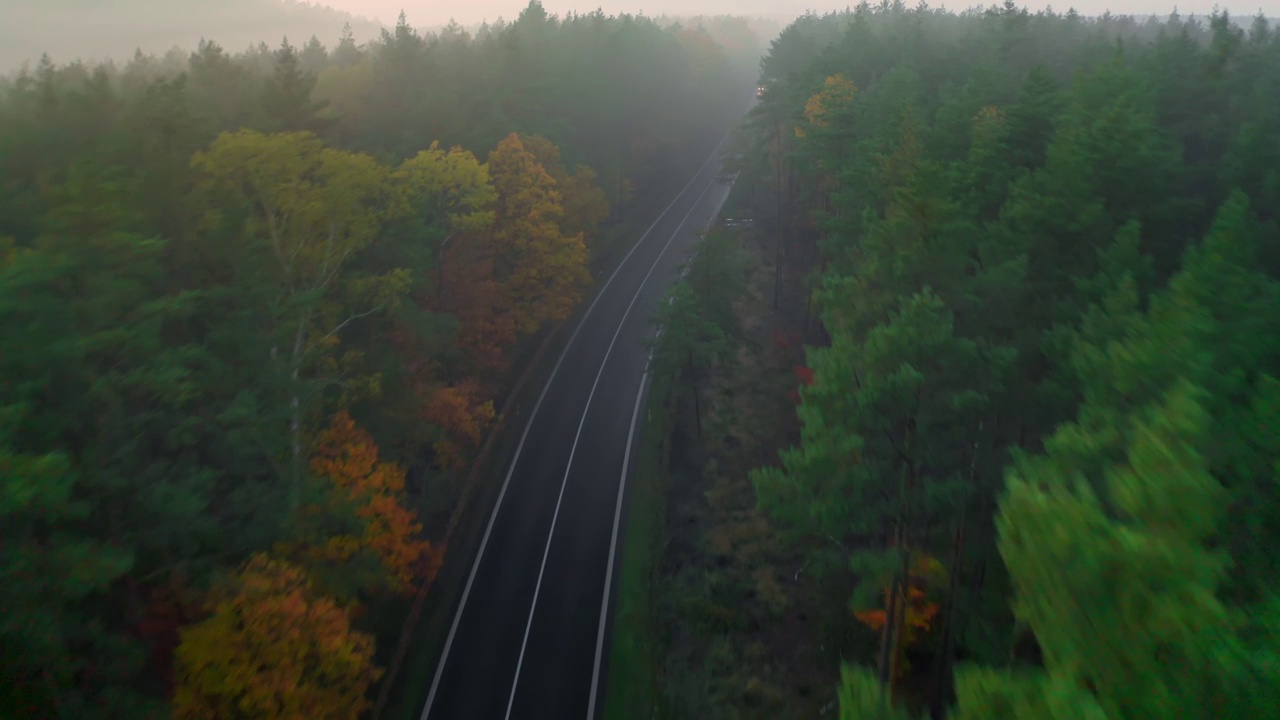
(622, 486)
(484, 542)
(613, 542)
(515, 683)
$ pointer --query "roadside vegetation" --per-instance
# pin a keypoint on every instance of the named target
(1018, 274)
(707, 624)
(257, 312)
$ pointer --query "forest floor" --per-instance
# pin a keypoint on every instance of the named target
(716, 617)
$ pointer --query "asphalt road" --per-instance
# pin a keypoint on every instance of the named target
(528, 635)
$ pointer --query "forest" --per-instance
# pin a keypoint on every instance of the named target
(257, 313)
(94, 30)
(979, 416)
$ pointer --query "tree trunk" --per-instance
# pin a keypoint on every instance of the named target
(295, 414)
(895, 617)
(777, 165)
(943, 679)
(942, 675)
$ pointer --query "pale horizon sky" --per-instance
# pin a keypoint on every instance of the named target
(438, 12)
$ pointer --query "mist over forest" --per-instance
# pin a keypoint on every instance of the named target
(89, 30)
(900, 362)
(114, 30)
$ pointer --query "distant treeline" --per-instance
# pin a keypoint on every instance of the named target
(70, 30)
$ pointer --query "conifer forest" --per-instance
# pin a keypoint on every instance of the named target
(967, 405)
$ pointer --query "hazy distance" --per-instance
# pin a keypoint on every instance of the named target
(93, 30)
(434, 12)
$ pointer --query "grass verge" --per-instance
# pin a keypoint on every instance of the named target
(634, 654)
(715, 616)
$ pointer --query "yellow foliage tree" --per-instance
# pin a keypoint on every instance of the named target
(450, 189)
(541, 271)
(273, 648)
(313, 208)
(835, 97)
(585, 204)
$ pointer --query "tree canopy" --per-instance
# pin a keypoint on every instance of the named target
(1046, 270)
(257, 312)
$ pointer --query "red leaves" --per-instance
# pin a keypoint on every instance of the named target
(486, 328)
(804, 374)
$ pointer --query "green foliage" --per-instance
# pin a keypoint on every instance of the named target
(205, 257)
(983, 693)
(861, 698)
(698, 325)
(1124, 601)
(1049, 243)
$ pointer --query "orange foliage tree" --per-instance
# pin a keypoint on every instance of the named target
(464, 415)
(347, 456)
(919, 610)
(273, 648)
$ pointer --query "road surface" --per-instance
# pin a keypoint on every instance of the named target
(528, 635)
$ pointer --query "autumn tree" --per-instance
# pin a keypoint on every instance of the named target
(585, 204)
(307, 209)
(346, 459)
(448, 193)
(542, 272)
(274, 648)
(464, 416)
(177, 332)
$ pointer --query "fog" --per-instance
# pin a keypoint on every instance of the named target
(113, 29)
(472, 11)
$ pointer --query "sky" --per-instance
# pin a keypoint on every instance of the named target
(438, 12)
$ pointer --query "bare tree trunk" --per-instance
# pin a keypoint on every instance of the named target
(295, 413)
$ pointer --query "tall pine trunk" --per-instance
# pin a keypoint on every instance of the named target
(943, 676)
(295, 412)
